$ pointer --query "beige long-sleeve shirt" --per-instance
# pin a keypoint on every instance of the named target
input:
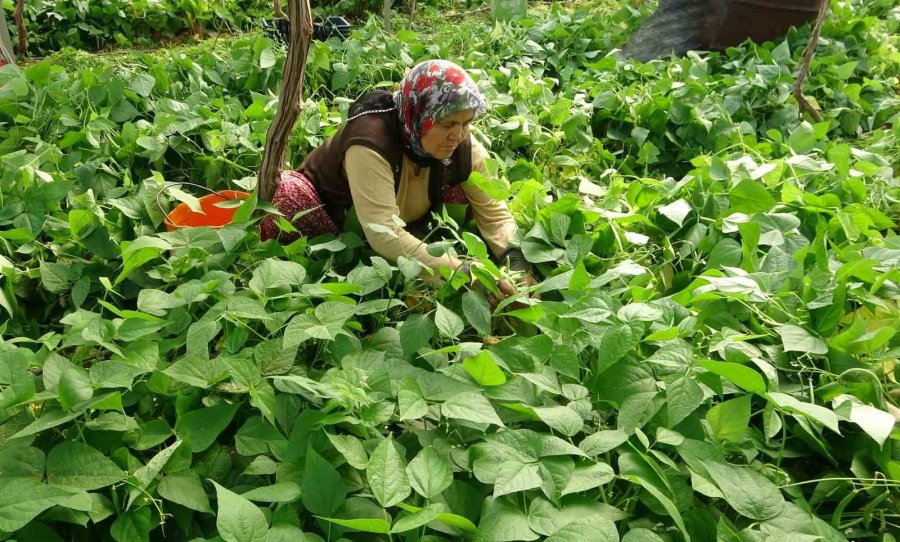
(372, 187)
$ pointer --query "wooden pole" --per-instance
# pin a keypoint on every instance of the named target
(412, 10)
(386, 12)
(19, 17)
(806, 59)
(278, 12)
(290, 99)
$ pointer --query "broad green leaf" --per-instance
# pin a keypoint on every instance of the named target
(237, 519)
(132, 526)
(587, 477)
(877, 423)
(470, 406)
(797, 339)
(281, 492)
(683, 396)
(477, 311)
(750, 197)
(615, 342)
(812, 411)
(546, 518)
(272, 273)
(449, 324)
(729, 420)
(185, 488)
(79, 466)
(750, 493)
(587, 529)
(641, 535)
(22, 499)
(322, 488)
(74, 387)
(562, 419)
(484, 370)
(603, 441)
(352, 450)
(665, 501)
(503, 521)
(22, 462)
(416, 333)
(367, 525)
(429, 473)
(741, 376)
(417, 519)
(386, 473)
(676, 211)
(411, 404)
(515, 476)
(199, 428)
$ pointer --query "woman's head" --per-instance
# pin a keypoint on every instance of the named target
(437, 101)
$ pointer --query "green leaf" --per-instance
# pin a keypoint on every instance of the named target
(729, 420)
(281, 492)
(589, 476)
(79, 466)
(266, 59)
(74, 387)
(237, 519)
(367, 525)
(515, 476)
(416, 333)
(561, 418)
(322, 488)
(272, 273)
(615, 342)
(587, 529)
(812, 411)
(143, 84)
(797, 339)
(683, 396)
(477, 311)
(411, 405)
(741, 376)
(185, 488)
(449, 324)
(200, 428)
(22, 499)
(641, 535)
(750, 493)
(417, 519)
(503, 521)
(132, 526)
(470, 406)
(352, 450)
(386, 473)
(750, 197)
(602, 442)
(484, 370)
(429, 473)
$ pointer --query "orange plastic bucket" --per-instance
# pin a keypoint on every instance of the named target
(212, 216)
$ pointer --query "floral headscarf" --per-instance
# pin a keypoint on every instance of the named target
(432, 91)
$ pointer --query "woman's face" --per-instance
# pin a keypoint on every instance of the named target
(444, 136)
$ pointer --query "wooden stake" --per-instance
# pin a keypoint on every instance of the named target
(806, 59)
(278, 11)
(412, 10)
(290, 99)
(386, 12)
(19, 17)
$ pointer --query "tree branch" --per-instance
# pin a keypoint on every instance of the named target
(806, 59)
(19, 17)
(290, 99)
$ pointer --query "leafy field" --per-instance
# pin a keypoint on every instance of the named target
(712, 354)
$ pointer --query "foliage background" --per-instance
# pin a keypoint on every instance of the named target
(713, 355)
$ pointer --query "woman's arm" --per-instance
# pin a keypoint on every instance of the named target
(372, 188)
(495, 222)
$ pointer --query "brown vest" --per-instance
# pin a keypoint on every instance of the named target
(379, 131)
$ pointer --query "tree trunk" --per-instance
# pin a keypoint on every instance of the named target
(290, 99)
(387, 16)
(19, 17)
(804, 64)
(278, 12)
(412, 10)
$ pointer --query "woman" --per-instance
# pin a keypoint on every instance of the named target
(400, 155)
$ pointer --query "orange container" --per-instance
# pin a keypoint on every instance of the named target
(213, 216)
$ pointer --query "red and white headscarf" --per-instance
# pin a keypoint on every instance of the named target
(432, 91)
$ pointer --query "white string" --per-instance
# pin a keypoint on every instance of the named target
(371, 112)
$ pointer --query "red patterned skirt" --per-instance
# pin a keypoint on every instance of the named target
(296, 194)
